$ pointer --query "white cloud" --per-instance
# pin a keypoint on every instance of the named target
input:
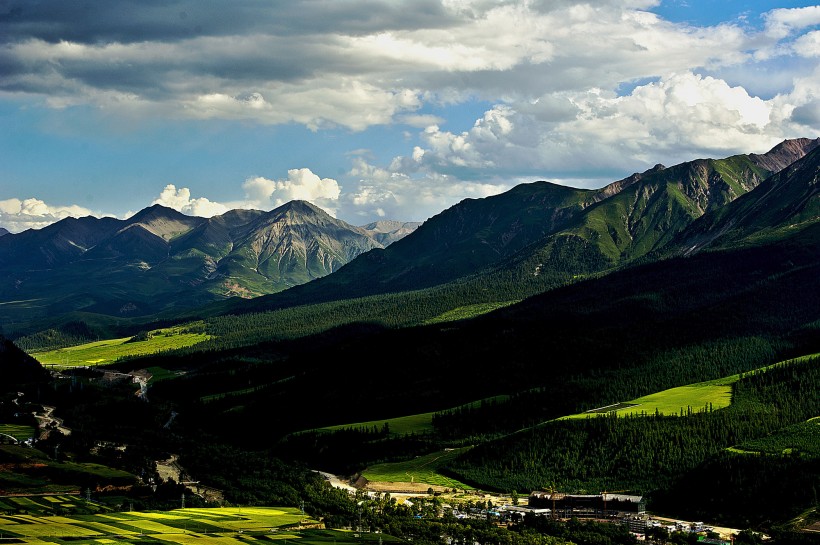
(353, 77)
(681, 117)
(180, 200)
(573, 88)
(808, 45)
(301, 184)
(783, 21)
(387, 193)
(17, 215)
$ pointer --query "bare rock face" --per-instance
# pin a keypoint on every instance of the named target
(785, 153)
(388, 231)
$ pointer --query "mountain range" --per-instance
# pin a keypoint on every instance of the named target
(160, 258)
(535, 236)
(540, 235)
(730, 287)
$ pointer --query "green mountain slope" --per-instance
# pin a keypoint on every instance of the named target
(160, 259)
(783, 204)
(461, 240)
(647, 214)
(540, 235)
(18, 368)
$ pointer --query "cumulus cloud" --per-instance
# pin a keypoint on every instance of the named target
(378, 62)
(573, 89)
(301, 184)
(383, 192)
(783, 21)
(808, 45)
(677, 118)
(180, 200)
(17, 215)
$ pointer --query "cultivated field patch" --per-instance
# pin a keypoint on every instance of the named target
(422, 469)
(674, 401)
(21, 433)
(698, 397)
(108, 351)
(217, 525)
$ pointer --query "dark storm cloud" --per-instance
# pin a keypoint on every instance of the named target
(128, 21)
(170, 47)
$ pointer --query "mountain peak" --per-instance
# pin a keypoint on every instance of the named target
(785, 153)
(156, 211)
(299, 206)
(387, 232)
(163, 222)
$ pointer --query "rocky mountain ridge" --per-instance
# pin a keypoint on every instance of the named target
(160, 258)
(541, 231)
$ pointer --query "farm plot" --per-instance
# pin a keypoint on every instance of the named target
(108, 351)
(21, 433)
(179, 526)
(47, 505)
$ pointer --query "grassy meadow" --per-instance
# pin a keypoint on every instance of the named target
(27, 470)
(700, 396)
(468, 311)
(108, 351)
(21, 433)
(422, 469)
(696, 397)
(404, 425)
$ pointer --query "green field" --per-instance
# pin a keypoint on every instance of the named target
(422, 469)
(159, 373)
(21, 433)
(709, 395)
(108, 351)
(56, 504)
(403, 425)
(225, 525)
(697, 397)
(468, 311)
(28, 470)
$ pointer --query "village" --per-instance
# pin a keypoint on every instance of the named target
(615, 508)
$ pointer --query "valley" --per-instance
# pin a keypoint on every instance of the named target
(657, 337)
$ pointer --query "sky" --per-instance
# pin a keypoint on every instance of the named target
(381, 109)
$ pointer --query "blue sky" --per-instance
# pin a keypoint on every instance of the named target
(381, 109)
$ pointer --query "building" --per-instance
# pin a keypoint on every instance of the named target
(589, 505)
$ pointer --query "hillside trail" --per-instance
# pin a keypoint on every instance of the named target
(46, 422)
(171, 470)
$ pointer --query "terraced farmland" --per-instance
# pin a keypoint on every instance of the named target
(202, 526)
